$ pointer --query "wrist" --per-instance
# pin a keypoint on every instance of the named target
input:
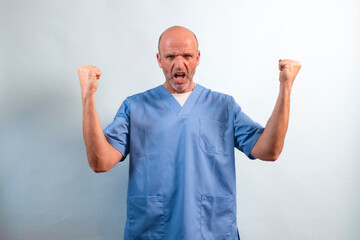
(87, 95)
(285, 87)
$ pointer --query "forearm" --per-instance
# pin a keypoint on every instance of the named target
(95, 141)
(271, 141)
(276, 127)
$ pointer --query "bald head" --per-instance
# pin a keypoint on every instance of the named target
(177, 32)
(178, 57)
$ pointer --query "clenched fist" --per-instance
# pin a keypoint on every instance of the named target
(288, 71)
(88, 76)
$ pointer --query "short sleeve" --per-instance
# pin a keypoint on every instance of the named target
(118, 132)
(246, 131)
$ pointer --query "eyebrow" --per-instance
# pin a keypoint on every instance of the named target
(182, 54)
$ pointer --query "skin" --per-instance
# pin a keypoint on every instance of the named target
(178, 53)
(100, 154)
(271, 142)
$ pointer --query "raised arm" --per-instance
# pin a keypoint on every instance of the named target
(271, 142)
(100, 154)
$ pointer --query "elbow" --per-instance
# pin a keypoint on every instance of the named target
(274, 152)
(272, 156)
(98, 170)
(96, 166)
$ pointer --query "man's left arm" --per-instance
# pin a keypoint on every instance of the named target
(271, 142)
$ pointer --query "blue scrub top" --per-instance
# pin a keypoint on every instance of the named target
(182, 171)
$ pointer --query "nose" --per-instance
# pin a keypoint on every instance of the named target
(179, 63)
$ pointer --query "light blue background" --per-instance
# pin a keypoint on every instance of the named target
(47, 189)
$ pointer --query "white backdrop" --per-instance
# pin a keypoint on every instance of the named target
(48, 191)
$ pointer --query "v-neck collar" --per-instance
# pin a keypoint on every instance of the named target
(175, 105)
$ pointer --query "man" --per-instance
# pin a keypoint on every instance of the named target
(181, 138)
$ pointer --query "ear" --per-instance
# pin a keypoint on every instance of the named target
(198, 58)
(159, 59)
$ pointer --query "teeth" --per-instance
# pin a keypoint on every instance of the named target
(179, 75)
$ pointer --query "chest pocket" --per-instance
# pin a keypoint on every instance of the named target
(212, 136)
(146, 217)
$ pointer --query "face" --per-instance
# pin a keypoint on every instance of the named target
(178, 58)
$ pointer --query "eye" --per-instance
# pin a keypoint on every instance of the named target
(170, 56)
(187, 56)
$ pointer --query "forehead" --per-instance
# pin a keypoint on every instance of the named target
(178, 46)
(178, 41)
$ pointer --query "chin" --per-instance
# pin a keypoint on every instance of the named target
(180, 87)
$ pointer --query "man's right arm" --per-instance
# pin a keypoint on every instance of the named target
(101, 155)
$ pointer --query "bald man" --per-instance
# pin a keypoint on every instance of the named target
(181, 138)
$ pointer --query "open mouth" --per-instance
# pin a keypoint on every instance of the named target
(179, 75)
